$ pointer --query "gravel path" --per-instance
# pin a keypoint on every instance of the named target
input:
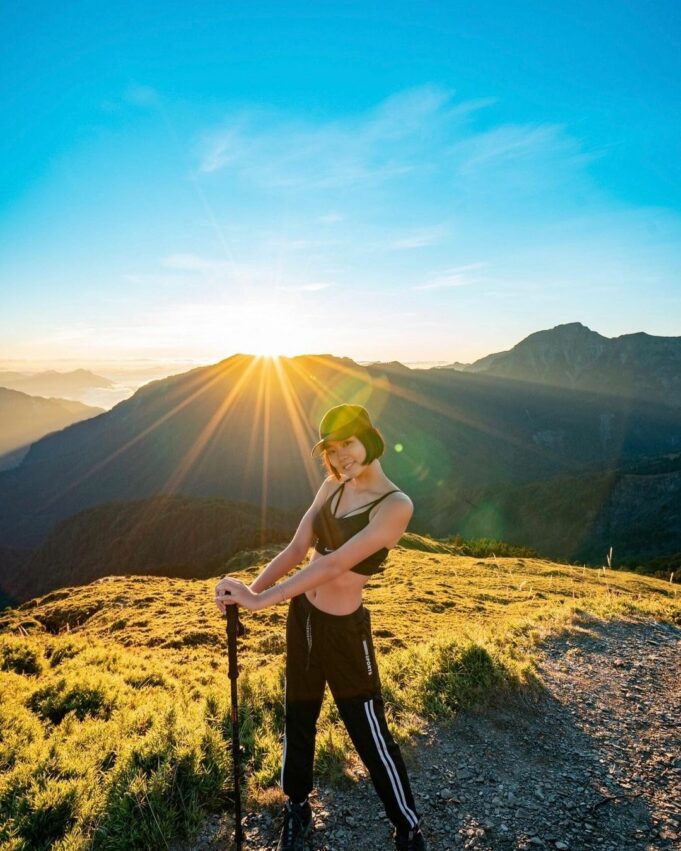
(594, 764)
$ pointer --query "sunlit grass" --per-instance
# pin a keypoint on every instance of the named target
(115, 701)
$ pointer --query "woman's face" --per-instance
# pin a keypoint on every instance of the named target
(346, 455)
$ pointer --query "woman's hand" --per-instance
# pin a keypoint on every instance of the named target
(230, 591)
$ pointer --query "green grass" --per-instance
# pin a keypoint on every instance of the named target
(114, 700)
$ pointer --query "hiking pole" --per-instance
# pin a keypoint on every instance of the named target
(235, 629)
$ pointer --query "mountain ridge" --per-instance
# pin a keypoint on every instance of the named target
(26, 418)
(638, 365)
(52, 383)
(208, 432)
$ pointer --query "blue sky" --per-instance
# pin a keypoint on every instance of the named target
(417, 181)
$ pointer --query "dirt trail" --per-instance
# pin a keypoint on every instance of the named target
(594, 764)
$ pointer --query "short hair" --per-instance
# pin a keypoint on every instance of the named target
(370, 439)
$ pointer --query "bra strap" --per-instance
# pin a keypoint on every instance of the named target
(338, 490)
(376, 501)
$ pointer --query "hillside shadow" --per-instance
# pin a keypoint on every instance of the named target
(560, 789)
(529, 774)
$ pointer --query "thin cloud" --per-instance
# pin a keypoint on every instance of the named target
(192, 263)
(379, 145)
(514, 142)
(214, 275)
(77, 332)
(514, 162)
(279, 243)
(305, 288)
(421, 136)
(457, 277)
(420, 238)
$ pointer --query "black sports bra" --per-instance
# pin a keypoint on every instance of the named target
(332, 532)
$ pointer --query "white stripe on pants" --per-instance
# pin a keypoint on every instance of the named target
(389, 764)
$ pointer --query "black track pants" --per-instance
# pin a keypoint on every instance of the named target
(338, 649)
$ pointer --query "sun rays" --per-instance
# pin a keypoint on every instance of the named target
(282, 398)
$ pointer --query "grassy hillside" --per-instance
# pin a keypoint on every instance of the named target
(114, 710)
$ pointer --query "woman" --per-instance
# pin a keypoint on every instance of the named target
(328, 631)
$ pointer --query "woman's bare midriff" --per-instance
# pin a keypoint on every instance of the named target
(339, 596)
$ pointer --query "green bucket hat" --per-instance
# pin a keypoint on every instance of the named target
(341, 422)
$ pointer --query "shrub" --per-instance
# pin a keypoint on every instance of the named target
(56, 700)
(459, 677)
(61, 650)
(163, 787)
(19, 657)
(486, 547)
(48, 814)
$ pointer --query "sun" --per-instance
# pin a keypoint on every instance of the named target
(267, 331)
(266, 349)
(266, 345)
(265, 328)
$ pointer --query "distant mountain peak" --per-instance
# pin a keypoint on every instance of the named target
(571, 355)
(569, 331)
(390, 364)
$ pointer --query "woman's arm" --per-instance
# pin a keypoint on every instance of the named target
(278, 567)
(394, 515)
(293, 554)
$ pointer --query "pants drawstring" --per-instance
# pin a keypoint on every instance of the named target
(308, 634)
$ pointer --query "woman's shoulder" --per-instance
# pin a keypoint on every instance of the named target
(395, 508)
(329, 486)
(396, 496)
(400, 497)
(325, 491)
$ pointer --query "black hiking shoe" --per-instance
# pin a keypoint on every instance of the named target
(409, 840)
(297, 827)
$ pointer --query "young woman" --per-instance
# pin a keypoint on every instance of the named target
(328, 631)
